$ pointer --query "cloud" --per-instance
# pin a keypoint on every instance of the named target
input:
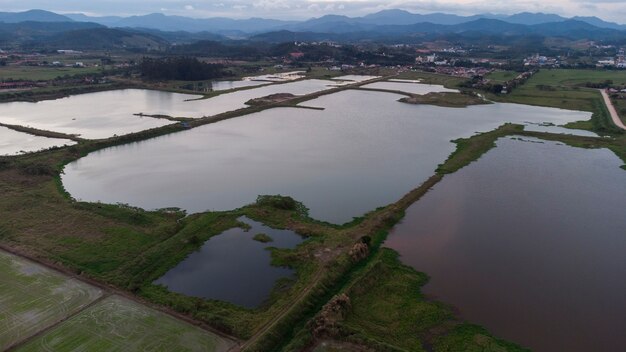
(189, 7)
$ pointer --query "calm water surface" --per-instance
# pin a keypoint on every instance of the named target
(232, 266)
(93, 115)
(529, 242)
(14, 142)
(104, 114)
(415, 88)
(355, 78)
(363, 151)
(226, 85)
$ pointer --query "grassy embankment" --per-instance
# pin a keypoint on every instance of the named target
(620, 106)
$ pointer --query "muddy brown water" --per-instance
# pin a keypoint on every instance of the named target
(529, 242)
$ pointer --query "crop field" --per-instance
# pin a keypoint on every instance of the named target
(118, 324)
(565, 89)
(502, 76)
(33, 298)
(43, 73)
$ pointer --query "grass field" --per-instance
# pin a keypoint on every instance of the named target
(117, 324)
(565, 89)
(502, 76)
(620, 106)
(36, 73)
(33, 298)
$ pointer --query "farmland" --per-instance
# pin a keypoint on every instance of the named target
(43, 73)
(33, 298)
(118, 324)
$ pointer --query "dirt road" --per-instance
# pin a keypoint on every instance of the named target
(616, 120)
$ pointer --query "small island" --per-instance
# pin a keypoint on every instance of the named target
(446, 99)
(263, 238)
(270, 99)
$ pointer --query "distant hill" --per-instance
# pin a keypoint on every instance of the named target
(76, 35)
(33, 15)
(492, 29)
(324, 24)
(103, 39)
(17, 33)
(179, 23)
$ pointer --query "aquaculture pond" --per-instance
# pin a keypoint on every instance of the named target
(104, 114)
(227, 85)
(14, 142)
(364, 150)
(355, 78)
(529, 242)
(94, 115)
(409, 87)
(233, 266)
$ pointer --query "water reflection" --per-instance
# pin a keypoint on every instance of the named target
(232, 266)
(363, 151)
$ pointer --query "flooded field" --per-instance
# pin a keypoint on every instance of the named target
(410, 87)
(339, 162)
(33, 298)
(118, 324)
(233, 266)
(355, 78)
(227, 85)
(94, 115)
(528, 242)
(105, 114)
(14, 142)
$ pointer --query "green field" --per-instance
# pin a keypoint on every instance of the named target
(118, 324)
(565, 89)
(33, 298)
(35, 73)
(502, 76)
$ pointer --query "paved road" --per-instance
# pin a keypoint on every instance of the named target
(614, 115)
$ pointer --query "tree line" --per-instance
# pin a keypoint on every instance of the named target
(179, 68)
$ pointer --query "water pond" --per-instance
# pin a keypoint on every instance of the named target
(414, 88)
(93, 115)
(355, 78)
(529, 242)
(14, 142)
(363, 151)
(104, 114)
(228, 85)
(233, 266)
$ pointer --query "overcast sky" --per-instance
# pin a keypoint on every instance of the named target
(613, 10)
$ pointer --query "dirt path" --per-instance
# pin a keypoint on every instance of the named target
(259, 334)
(614, 115)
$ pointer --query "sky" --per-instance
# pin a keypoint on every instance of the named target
(612, 10)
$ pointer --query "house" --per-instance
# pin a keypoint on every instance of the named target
(296, 55)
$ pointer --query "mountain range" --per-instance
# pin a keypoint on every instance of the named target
(324, 24)
(48, 30)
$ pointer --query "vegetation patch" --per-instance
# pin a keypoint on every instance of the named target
(270, 99)
(263, 238)
(446, 99)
